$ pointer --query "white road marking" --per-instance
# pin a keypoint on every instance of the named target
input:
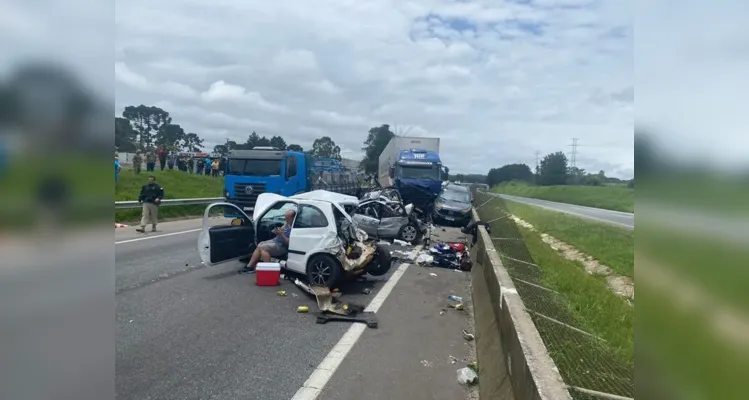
(157, 236)
(322, 374)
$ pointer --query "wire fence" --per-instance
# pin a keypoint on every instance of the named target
(588, 366)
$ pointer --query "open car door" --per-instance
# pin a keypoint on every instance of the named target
(227, 241)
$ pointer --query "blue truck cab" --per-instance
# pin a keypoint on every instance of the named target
(268, 170)
(418, 175)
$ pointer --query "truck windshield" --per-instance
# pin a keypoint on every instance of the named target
(254, 167)
(431, 172)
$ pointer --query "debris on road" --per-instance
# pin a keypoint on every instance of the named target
(432, 274)
(302, 309)
(453, 360)
(455, 298)
(366, 291)
(400, 242)
(468, 336)
(282, 293)
(466, 376)
(426, 363)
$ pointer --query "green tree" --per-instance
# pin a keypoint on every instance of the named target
(170, 136)
(509, 172)
(295, 147)
(220, 149)
(124, 135)
(377, 138)
(192, 142)
(278, 142)
(252, 140)
(325, 147)
(553, 169)
(146, 121)
(263, 141)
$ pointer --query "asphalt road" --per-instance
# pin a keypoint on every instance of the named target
(626, 220)
(186, 331)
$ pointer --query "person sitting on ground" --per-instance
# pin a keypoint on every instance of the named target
(276, 247)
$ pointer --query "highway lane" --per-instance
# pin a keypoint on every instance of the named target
(184, 330)
(625, 220)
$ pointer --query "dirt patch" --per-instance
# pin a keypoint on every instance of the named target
(621, 285)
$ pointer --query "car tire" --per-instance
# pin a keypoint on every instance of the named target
(381, 263)
(323, 269)
(409, 233)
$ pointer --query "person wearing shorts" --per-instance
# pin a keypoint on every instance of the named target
(276, 247)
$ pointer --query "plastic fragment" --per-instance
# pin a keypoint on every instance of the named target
(467, 376)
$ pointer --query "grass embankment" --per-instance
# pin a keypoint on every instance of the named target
(593, 306)
(176, 184)
(617, 198)
(610, 245)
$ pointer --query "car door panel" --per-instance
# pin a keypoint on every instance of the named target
(312, 231)
(218, 244)
(390, 227)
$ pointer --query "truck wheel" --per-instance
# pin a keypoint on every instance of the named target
(323, 270)
(381, 263)
(409, 233)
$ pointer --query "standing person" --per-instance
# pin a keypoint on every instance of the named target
(116, 168)
(200, 166)
(170, 162)
(214, 168)
(222, 166)
(150, 196)
(207, 166)
(150, 161)
(162, 156)
(191, 165)
(137, 162)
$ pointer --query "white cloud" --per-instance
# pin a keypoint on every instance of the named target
(495, 80)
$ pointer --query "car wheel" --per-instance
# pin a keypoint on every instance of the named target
(322, 270)
(381, 262)
(409, 233)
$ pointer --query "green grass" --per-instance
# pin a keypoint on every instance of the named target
(618, 198)
(610, 245)
(176, 184)
(593, 306)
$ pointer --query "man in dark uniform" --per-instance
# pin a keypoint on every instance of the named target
(150, 196)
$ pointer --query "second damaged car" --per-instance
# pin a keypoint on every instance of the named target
(384, 216)
(324, 244)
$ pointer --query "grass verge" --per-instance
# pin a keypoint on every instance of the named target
(610, 245)
(618, 198)
(176, 184)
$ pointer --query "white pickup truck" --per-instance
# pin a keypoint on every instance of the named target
(325, 244)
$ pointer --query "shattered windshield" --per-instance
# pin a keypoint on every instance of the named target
(456, 196)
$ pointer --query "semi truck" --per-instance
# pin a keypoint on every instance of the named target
(270, 170)
(413, 166)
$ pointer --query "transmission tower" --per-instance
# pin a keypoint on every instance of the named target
(535, 173)
(573, 160)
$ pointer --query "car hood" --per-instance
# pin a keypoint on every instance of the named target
(325, 195)
(454, 205)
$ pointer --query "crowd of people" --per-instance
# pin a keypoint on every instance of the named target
(186, 162)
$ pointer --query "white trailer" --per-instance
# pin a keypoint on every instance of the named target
(396, 144)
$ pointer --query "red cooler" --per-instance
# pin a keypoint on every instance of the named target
(267, 274)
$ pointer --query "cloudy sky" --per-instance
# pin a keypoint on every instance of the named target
(495, 80)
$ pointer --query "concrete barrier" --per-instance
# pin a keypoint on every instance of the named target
(513, 360)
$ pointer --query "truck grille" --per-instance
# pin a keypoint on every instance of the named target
(242, 199)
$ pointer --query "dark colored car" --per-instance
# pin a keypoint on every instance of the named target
(453, 205)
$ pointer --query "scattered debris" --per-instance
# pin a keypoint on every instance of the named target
(282, 293)
(400, 242)
(453, 360)
(467, 376)
(442, 312)
(367, 291)
(468, 336)
(302, 309)
(455, 298)
(426, 363)
(432, 274)
(474, 366)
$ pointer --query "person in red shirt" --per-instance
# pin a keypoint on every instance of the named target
(162, 156)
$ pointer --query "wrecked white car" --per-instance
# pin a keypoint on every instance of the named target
(384, 216)
(324, 244)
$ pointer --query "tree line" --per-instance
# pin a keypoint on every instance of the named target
(554, 169)
(145, 127)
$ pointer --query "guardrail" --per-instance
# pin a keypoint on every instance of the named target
(119, 205)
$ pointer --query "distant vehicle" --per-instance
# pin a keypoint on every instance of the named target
(454, 205)
(324, 243)
(249, 173)
(414, 167)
